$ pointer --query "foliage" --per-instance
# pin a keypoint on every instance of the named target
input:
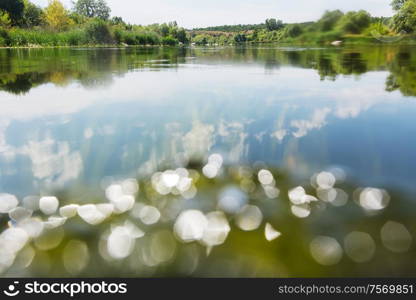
(233, 28)
(405, 18)
(93, 9)
(98, 32)
(5, 20)
(56, 16)
(273, 24)
(240, 38)
(294, 30)
(354, 22)
(169, 41)
(14, 8)
(398, 4)
(329, 20)
(32, 15)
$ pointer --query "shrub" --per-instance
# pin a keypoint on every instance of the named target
(169, 41)
(98, 32)
(4, 37)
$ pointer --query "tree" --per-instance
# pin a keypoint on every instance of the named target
(56, 16)
(181, 36)
(329, 19)
(405, 18)
(4, 20)
(398, 4)
(164, 30)
(273, 24)
(32, 15)
(117, 21)
(355, 22)
(14, 9)
(93, 9)
(294, 30)
(240, 38)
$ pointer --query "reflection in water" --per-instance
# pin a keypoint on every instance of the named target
(150, 108)
(75, 123)
(22, 70)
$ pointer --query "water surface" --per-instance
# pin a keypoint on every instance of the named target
(72, 117)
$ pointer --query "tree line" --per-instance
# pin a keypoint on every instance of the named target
(23, 23)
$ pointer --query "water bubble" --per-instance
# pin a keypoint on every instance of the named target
(325, 250)
(54, 222)
(210, 171)
(19, 214)
(48, 205)
(217, 229)
(162, 246)
(69, 211)
(130, 186)
(265, 177)
(170, 178)
(190, 225)
(325, 180)
(270, 233)
(123, 204)
(113, 192)
(326, 195)
(75, 256)
(91, 214)
(149, 215)
(184, 184)
(374, 199)
(396, 237)
(301, 211)
(120, 243)
(31, 202)
(359, 246)
(231, 199)
(50, 239)
(216, 160)
(7, 203)
(13, 239)
(249, 218)
(33, 227)
(296, 195)
(271, 192)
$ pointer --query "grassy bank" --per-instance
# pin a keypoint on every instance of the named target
(94, 33)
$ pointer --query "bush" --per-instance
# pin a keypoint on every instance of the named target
(98, 32)
(169, 41)
(4, 37)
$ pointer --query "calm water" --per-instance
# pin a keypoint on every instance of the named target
(73, 117)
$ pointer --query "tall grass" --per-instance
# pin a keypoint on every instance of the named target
(93, 33)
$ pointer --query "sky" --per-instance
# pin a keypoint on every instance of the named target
(190, 14)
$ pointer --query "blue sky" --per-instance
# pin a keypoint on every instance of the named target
(189, 13)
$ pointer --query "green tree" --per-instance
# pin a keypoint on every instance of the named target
(398, 4)
(355, 21)
(56, 16)
(93, 9)
(32, 15)
(4, 19)
(329, 19)
(405, 18)
(273, 24)
(181, 36)
(240, 38)
(14, 9)
(164, 29)
(294, 30)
